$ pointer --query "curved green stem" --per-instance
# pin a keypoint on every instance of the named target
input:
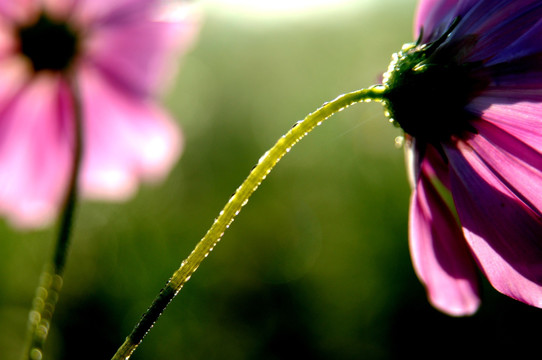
(50, 285)
(239, 199)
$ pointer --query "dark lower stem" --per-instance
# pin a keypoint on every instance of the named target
(48, 291)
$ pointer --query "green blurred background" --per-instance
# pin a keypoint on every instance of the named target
(317, 264)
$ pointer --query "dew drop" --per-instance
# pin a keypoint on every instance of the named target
(34, 317)
(35, 354)
(297, 123)
(263, 157)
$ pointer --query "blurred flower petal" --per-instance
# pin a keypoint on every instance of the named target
(35, 152)
(120, 52)
(139, 141)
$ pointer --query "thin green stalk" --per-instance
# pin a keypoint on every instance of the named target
(50, 285)
(266, 163)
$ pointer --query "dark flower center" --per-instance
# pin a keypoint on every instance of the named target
(48, 44)
(428, 89)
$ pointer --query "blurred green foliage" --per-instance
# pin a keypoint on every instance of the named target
(317, 264)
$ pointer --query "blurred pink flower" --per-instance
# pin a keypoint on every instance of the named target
(119, 51)
(468, 95)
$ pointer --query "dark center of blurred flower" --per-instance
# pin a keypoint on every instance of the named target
(48, 44)
(428, 89)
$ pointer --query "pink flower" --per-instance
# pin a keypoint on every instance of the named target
(468, 95)
(119, 51)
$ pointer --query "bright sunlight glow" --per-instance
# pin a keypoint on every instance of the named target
(270, 8)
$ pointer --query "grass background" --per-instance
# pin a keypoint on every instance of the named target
(317, 264)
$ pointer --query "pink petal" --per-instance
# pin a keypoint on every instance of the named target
(434, 166)
(14, 74)
(520, 119)
(60, 9)
(35, 152)
(126, 140)
(439, 253)
(503, 233)
(517, 165)
(140, 66)
(105, 12)
(17, 10)
(8, 43)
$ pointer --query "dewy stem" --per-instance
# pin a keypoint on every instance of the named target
(50, 285)
(239, 199)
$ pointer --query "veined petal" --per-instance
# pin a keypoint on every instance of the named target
(35, 151)
(518, 80)
(525, 45)
(519, 118)
(435, 167)
(517, 165)
(503, 233)
(496, 24)
(137, 140)
(439, 253)
(431, 14)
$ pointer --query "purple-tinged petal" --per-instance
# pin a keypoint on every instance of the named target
(435, 167)
(440, 255)
(496, 25)
(415, 154)
(513, 81)
(525, 45)
(433, 13)
(503, 233)
(518, 166)
(520, 119)
(138, 141)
